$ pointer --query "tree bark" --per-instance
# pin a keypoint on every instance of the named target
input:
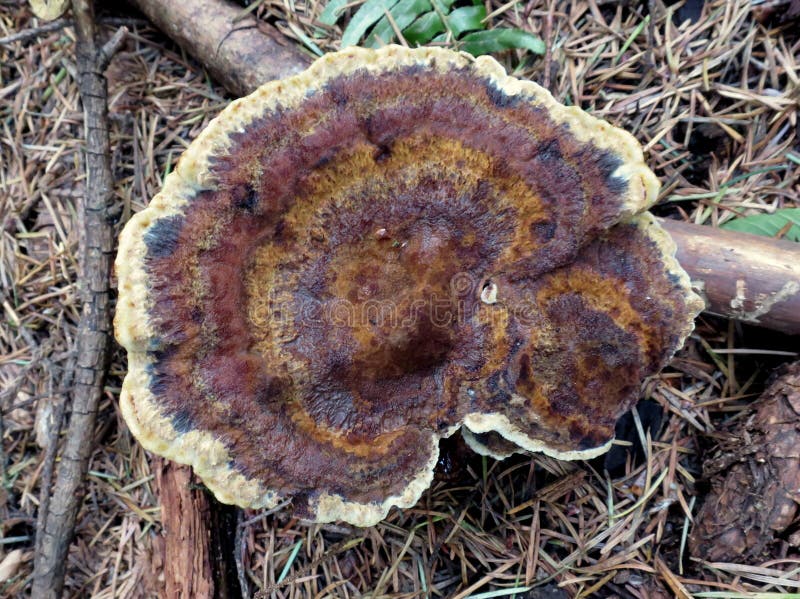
(745, 277)
(241, 55)
(185, 517)
(94, 329)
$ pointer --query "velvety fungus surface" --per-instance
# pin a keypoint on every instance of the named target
(354, 262)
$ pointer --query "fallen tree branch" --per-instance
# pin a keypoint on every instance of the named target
(94, 329)
(746, 277)
(240, 53)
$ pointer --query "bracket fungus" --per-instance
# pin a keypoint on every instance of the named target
(352, 263)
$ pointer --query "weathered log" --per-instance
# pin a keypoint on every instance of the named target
(240, 53)
(746, 277)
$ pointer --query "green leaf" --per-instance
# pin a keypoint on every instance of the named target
(370, 11)
(404, 13)
(497, 40)
(768, 224)
(424, 29)
(332, 12)
(467, 18)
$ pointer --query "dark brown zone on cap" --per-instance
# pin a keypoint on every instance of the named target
(208, 375)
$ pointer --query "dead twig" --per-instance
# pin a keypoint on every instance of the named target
(238, 555)
(94, 330)
(186, 520)
(28, 34)
(51, 452)
(24, 36)
(548, 40)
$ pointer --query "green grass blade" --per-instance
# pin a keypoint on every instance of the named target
(630, 39)
(760, 171)
(370, 12)
(497, 40)
(290, 561)
(768, 224)
(404, 13)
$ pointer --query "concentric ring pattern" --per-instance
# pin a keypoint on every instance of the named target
(352, 263)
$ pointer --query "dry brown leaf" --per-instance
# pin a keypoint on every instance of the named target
(10, 565)
(49, 10)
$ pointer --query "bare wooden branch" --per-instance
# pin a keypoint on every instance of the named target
(238, 556)
(240, 53)
(94, 330)
(746, 277)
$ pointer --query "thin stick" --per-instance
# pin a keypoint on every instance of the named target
(24, 36)
(548, 40)
(27, 34)
(50, 456)
(239, 555)
(93, 339)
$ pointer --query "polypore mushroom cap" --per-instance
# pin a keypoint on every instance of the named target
(352, 263)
